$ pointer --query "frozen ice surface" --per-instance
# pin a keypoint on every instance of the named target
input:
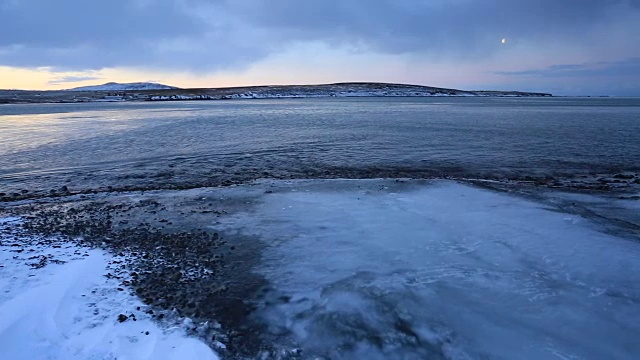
(443, 270)
(66, 311)
(368, 269)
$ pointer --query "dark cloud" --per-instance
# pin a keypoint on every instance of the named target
(209, 35)
(458, 26)
(83, 35)
(597, 69)
(616, 78)
(70, 23)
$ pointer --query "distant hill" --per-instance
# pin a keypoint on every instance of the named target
(137, 86)
(145, 91)
(354, 89)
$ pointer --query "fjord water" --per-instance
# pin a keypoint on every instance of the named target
(379, 269)
(202, 143)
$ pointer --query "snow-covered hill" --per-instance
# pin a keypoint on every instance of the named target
(112, 86)
(325, 90)
(145, 91)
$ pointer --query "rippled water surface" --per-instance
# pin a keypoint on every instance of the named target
(185, 142)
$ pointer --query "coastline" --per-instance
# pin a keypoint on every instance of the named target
(340, 90)
(193, 257)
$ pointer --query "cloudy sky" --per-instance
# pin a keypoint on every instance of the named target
(568, 47)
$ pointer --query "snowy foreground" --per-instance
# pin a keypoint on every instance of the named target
(67, 309)
(367, 270)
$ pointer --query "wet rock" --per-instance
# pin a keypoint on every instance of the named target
(176, 277)
(183, 269)
(40, 263)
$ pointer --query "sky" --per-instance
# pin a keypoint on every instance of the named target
(566, 47)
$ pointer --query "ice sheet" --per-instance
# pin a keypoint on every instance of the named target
(442, 271)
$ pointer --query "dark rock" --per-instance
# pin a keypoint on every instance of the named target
(623, 176)
(177, 276)
(122, 318)
(42, 262)
(64, 189)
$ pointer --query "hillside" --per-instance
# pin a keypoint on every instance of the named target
(158, 92)
(113, 86)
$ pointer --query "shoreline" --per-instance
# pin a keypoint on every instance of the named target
(620, 182)
(339, 90)
(206, 98)
(182, 254)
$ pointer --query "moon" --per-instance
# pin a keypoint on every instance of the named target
(504, 41)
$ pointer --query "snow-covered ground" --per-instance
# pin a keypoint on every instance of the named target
(361, 269)
(444, 270)
(57, 303)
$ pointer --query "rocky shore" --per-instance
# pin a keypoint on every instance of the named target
(165, 252)
(626, 182)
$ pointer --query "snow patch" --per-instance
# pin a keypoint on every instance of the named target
(63, 307)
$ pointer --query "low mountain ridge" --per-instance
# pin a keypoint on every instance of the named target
(146, 91)
(135, 86)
